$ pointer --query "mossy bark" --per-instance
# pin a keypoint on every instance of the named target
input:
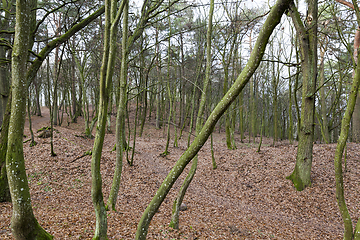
(271, 22)
(4, 185)
(308, 42)
(121, 112)
(4, 68)
(23, 222)
(345, 125)
(106, 71)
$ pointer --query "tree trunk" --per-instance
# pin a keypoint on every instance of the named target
(199, 123)
(4, 185)
(301, 174)
(324, 125)
(105, 81)
(4, 68)
(345, 125)
(23, 222)
(271, 22)
(121, 112)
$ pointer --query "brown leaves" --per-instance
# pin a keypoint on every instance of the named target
(247, 197)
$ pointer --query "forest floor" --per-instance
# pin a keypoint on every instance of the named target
(246, 197)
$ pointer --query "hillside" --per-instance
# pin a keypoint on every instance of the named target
(246, 197)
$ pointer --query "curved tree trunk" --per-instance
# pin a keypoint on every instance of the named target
(345, 125)
(199, 122)
(105, 81)
(271, 22)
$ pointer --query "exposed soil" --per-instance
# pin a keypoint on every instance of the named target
(246, 197)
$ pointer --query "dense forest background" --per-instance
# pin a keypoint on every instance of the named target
(281, 70)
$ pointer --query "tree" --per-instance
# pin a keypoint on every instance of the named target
(271, 22)
(199, 122)
(345, 125)
(356, 115)
(308, 44)
(7, 6)
(112, 18)
(23, 222)
(4, 185)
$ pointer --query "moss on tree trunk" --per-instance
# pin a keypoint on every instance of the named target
(308, 35)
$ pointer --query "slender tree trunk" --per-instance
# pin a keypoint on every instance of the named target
(4, 185)
(345, 125)
(199, 123)
(271, 22)
(32, 140)
(37, 83)
(166, 152)
(106, 73)
(324, 125)
(301, 174)
(23, 222)
(159, 94)
(121, 113)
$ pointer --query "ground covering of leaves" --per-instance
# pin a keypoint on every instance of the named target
(246, 197)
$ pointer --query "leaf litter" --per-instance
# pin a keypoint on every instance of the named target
(246, 197)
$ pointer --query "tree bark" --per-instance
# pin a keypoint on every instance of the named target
(4, 185)
(23, 222)
(105, 82)
(308, 42)
(121, 112)
(345, 125)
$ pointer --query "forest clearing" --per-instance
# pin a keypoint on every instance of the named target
(246, 197)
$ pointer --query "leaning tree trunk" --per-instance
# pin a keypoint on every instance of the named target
(308, 41)
(271, 22)
(23, 222)
(345, 125)
(199, 122)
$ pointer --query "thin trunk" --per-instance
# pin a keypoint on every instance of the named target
(158, 70)
(345, 125)
(121, 110)
(4, 185)
(32, 140)
(166, 152)
(106, 73)
(199, 123)
(324, 125)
